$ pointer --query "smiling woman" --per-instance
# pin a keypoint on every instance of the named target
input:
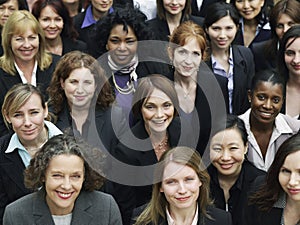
(65, 187)
(266, 126)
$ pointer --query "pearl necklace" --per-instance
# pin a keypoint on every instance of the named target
(125, 91)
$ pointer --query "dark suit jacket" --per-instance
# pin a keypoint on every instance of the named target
(243, 73)
(129, 197)
(72, 45)
(105, 125)
(11, 176)
(203, 9)
(218, 217)
(93, 208)
(161, 29)
(7, 81)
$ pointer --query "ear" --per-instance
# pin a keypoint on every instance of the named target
(170, 54)
(161, 190)
(7, 117)
(249, 95)
(262, 3)
(46, 110)
(106, 46)
(246, 148)
(62, 83)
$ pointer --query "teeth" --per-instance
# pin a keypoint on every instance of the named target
(64, 195)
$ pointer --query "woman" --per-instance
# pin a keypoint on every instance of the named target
(170, 14)
(81, 98)
(85, 22)
(65, 187)
(118, 35)
(254, 26)
(231, 173)
(233, 62)
(7, 7)
(58, 26)
(200, 96)
(181, 195)
(155, 103)
(25, 59)
(266, 126)
(277, 201)
(288, 67)
(24, 110)
(284, 15)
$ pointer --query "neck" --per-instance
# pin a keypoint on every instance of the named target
(54, 45)
(157, 138)
(217, 52)
(185, 80)
(228, 180)
(183, 216)
(259, 127)
(251, 23)
(173, 19)
(293, 81)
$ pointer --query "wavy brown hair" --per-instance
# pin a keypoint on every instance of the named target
(69, 62)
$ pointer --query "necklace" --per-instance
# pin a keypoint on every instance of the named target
(125, 91)
(162, 146)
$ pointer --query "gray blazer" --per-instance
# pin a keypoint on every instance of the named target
(91, 208)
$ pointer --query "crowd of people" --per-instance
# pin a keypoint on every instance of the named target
(179, 112)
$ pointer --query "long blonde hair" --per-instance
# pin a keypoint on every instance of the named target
(157, 207)
(18, 23)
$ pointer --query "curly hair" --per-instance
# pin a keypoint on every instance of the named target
(158, 203)
(128, 17)
(58, 7)
(69, 62)
(62, 144)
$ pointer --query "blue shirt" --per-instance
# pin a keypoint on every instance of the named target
(89, 18)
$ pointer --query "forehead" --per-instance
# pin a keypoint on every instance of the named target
(10, 2)
(268, 87)
(66, 163)
(177, 170)
(157, 95)
(293, 42)
(81, 73)
(292, 160)
(119, 30)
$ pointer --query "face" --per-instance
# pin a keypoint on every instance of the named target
(222, 33)
(63, 181)
(6, 9)
(227, 152)
(28, 120)
(79, 88)
(102, 6)
(187, 58)
(157, 112)
(122, 45)
(174, 7)
(249, 9)
(292, 57)
(289, 176)
(25, 46)
(266, 102)
(283, 24)
(51, 23)
(180, 186)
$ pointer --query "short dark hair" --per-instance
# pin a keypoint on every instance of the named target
(59, 145)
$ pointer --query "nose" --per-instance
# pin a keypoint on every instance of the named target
(181, 188)
(26, 43)
(294, 179)
(6, 12)
(174, 2)
(225, 155)
(122, 46)
(296, 59)
(80, 88)
(52, 23)
(286, 27)
(27, 121)
(159, 112)
(267, 104)
(66, 184)
(246, 4)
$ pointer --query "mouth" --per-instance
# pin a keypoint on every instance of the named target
(296, 67)
(266, 115)
(222, 42)
(122, 57)
(247, 12)
(183, 199)
(104, 5)
(293, 191)
(174, 8)
(80, 98)
(29, 132)
(159, 122)
(63, 195)
(226, 166)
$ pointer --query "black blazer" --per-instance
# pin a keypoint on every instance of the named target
(218, 217)
(130, 197)
(11, 176)
(238, 193)
(7, 81)
(243, 73)
(72, 45)
(203, 9)
(161, 29)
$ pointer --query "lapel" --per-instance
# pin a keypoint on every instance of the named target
(237, 69)
(81, 214)
(14, 168)
(10, 80)
(41, 212)
(100, 119)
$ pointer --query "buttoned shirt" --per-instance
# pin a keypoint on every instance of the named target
(33, 75)
(171, 221)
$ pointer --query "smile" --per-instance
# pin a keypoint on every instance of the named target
(64, 195)
(183, 199)
(226, 166)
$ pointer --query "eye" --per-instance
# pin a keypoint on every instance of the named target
(19, 39)
(57, 175)
(197, 54)
(285, 171)
(276, 100)
(216, 28)
(73, 81)
(114, 41)
(35, 112)
(229, 28)
(217, 149)
(182, 52)
(17, 115)
(190, 179)
(59, 19)
(130, 41)
(170, 181)
(167, 105)
(261, 97)
(76, 176)
(289, 53)
(279, 26)
(234, 148)
(88, 82)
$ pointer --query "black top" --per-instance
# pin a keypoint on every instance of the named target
(238, 192)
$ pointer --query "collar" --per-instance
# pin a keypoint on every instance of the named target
(230, 59)
(171, 221)
(15, 143)
(281, 126)
(89, 18)
(33, 75)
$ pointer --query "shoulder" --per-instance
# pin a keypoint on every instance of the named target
(197, 19)
(251, 172)
(242, 50)
(4, 142)
(78, 19)
(218, 216)
(293, 123)
(22, 205)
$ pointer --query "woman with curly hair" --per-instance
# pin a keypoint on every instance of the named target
(65, 187)
(60, 34)
(81, 98)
